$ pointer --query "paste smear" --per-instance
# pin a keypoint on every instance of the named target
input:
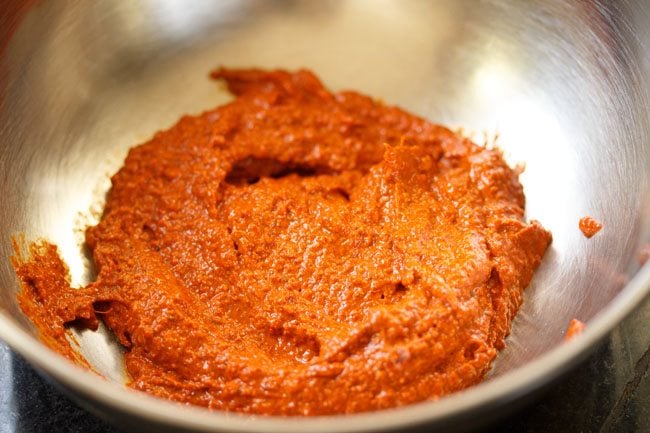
(299, 252)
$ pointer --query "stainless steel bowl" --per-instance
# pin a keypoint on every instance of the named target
(562, 83)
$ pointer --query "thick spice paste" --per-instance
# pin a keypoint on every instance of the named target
(302, 252)
(576, 327)
(589, 226)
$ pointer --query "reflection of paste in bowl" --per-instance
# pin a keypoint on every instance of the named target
(300, 252)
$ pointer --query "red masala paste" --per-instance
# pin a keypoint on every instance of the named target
(576, 327)
(589, 226)
(300, 252)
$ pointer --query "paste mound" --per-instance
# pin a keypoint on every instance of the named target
(300, 252)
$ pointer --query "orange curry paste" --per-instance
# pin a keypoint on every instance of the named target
(300, 252)
(576, 327)
(589, 226)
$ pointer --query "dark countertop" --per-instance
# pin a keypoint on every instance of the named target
(610, 392)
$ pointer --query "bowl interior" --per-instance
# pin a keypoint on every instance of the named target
(561, 85)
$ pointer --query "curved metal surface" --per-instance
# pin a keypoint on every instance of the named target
(563, 83)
